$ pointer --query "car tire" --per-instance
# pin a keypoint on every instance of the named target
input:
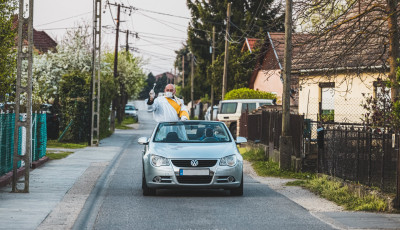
(238, 191)
(146, 190)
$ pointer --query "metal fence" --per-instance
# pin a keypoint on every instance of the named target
(360, 154)
(39, 139)
(266, 127)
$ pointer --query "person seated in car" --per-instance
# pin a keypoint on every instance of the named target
(209, 135)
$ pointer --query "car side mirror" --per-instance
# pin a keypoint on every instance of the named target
(240, 140)
(143, 140)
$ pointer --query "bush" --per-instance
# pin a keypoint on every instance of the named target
(74, 95)
(246, 93)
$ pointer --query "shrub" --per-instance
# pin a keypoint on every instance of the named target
(246, 93)
(74, 95)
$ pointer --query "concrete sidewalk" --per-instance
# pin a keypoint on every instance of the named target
(50, 183)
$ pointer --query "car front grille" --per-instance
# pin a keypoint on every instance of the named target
(194, 179)
(186, 163)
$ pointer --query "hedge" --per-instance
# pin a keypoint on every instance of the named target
(246, 93)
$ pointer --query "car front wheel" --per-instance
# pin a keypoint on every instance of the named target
(239, 190)
(146, 190)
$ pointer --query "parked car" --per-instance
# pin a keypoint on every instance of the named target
(207, 117)
(231, 110)
(131, 110)
(192, 154)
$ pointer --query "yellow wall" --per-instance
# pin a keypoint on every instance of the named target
(347, 96)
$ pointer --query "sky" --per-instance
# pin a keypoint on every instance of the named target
(158, 35)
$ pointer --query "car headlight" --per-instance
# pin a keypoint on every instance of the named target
(228, 161)
(158, 161)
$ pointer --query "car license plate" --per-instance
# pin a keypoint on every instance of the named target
(194, 172)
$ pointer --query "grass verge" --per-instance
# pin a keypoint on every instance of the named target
(65, 145)
(57, 156)
(269, 168)
(322, 186)
(340, 194)
(124, 124)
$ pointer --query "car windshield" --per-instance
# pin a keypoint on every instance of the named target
(191, 132)
(129, 107)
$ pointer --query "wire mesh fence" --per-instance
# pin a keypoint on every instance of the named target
(39, 139)
(360, 154)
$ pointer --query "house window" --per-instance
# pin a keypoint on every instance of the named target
(327, 104)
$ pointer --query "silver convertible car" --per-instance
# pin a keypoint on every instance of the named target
(192, 154)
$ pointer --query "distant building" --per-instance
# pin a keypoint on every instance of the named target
(42, 42)
(171, 78)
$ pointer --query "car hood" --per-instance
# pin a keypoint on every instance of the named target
(193, 150)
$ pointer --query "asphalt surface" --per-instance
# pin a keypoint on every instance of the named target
(119, 202)
(100, 188)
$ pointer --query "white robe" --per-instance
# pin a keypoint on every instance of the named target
(164, 112)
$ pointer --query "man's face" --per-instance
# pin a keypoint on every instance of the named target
(169, 88)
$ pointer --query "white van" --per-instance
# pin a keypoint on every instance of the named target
(230, 110)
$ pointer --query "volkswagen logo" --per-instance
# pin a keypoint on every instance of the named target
(194, 163)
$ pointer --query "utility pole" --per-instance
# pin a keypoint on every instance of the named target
(115, 100)
(24, 88)
(285, 141)
(212, 85)
(96, 74)
(183, 71)
(191, 85)
(226, 58)
(127, 43)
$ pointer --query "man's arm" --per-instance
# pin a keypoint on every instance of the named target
(151, 98)
(184, 114)
(150, 101)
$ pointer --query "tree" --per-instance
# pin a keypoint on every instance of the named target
(161, 83)
(250, 18)
(130, 80)
(149, 84)
(7, 44)
(73, 55)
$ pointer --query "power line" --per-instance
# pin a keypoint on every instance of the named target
(64, 19)
(159, 21)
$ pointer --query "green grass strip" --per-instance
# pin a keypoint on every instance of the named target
(57, 156)
(65, 145)
(340, 194)
(269, 168)
(124, 124)
(322, 186)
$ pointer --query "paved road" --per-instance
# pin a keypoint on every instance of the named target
(117, 202)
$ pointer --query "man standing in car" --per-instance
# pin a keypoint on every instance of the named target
(168, 108)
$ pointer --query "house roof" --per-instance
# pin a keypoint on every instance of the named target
(249, 44)
(41, 40)
(357, 40)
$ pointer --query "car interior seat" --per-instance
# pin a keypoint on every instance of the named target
(172, 137)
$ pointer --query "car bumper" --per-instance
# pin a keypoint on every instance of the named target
(168, 177)
(131, 115)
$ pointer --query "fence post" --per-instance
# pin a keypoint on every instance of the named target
(397, 200)
(369, 146)
(383, 158)
(358, 154)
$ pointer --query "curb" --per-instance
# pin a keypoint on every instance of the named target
(40, 162)
(7, 178)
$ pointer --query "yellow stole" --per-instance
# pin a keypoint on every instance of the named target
(177, 107)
